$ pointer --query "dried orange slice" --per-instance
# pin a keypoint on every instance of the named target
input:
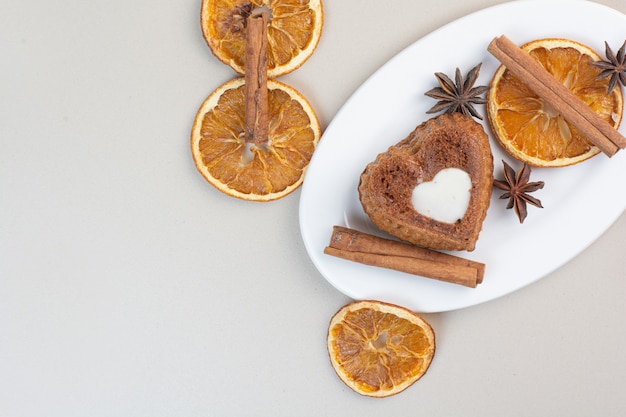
(295, 27)
(240, 168)
(379, 349)
(533, 132)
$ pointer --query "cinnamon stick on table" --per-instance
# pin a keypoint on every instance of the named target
(372, 250)
(575, 111)
(255, 65)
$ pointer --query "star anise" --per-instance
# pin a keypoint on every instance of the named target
(517, 188)
(237, 19)
(614, 66)
(459, 96)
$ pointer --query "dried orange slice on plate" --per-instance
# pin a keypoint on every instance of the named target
(238, 167)
(528, 128)
(379, 349)
(295, 27)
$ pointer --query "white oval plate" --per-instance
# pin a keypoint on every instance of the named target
(580, 202)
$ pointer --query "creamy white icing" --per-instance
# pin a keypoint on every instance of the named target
(446, 197)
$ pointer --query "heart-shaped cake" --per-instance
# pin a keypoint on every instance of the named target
(433, 188)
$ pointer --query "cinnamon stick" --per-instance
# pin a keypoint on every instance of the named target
(575, 111)
(255, 65)
(372, 250)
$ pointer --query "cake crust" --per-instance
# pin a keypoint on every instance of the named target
(386, 185)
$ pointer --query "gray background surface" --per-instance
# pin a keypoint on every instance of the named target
(130, 287)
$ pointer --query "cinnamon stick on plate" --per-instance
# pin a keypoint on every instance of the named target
(255, 65)
(574, 110)
(372, 250)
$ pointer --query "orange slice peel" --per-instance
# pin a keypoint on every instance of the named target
(533, 132)
(240, 168)
(295, 28)
(379, 349)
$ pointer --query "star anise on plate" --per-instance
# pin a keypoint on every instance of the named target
(460, 95)
(517, 188)
(614, 66)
